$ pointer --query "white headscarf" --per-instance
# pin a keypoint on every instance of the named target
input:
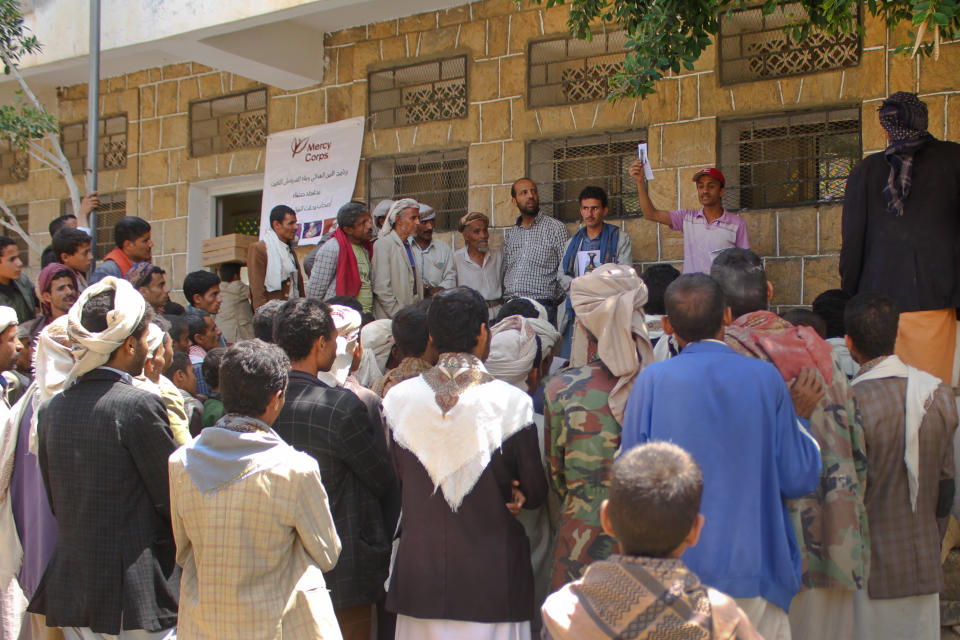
(154, 339)
(379, 211)
(395, 209)
(280, 263)
(8, 317)
(92, 350)
(376, 338)
(609, 302)
(347, 321)
(513, 349)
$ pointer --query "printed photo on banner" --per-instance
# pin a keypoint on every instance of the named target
(314, 171)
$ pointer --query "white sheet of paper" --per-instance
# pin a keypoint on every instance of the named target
(645, 159)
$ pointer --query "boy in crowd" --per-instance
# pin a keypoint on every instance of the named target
(180, 373)
(72, 248)
(179, 332)
(653, 511)
(132, 237)
(706, 231)
(213, 407)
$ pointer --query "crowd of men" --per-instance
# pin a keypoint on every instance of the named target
(399, 440)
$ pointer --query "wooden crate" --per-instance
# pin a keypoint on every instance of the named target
(228, 248)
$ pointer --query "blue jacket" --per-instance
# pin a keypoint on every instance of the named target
(735, 416)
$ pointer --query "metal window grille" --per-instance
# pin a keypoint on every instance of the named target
(569, 70)
(113, 206)
(14, 163)
(438, 179)
(112, 142)
(228, 123)
(21, 213)
(754, 46)
(416, 93)
(562, 167)
(794, 159)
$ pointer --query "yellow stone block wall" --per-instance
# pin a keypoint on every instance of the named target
(800, 245)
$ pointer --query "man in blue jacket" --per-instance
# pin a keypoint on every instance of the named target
(736, 417)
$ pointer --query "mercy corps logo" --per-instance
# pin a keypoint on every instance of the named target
(312, 151)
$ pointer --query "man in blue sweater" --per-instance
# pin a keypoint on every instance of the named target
(735, 416)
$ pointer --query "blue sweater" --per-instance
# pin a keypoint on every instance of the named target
(735, 417)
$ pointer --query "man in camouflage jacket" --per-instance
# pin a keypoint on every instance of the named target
(581, 438)
(831, 523)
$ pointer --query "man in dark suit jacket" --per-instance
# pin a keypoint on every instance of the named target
(103, 449)
(333, 426)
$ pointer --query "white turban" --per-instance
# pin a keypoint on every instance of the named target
(154, 339)
(347, 321)
(513, 349)
(395, 209)
(92, 350)
(8, 318)
(382, 208)
(377, 340)
(609, 303)
(426, 211)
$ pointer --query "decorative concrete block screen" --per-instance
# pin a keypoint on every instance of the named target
(228, 123)
(562, 167)
(21, 213)
(753, 46)
(113, 206)
(568, 70)
(112, 142)
(793, 159)
(438, 179)
(423, 92)
(14, 164)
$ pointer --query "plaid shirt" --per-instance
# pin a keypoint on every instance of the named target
(905, 546)
(531, 257)
(323, 277)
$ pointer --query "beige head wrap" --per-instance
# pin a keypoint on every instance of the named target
(92, 350)
(513, 347)
(376, 338)
(395, 209)
(609, 303)
(52, 361)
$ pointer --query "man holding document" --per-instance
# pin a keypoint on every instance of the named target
(706, 231)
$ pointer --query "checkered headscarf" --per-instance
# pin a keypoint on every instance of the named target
(904, 117)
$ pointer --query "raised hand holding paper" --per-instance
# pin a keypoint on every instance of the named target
(642, 154)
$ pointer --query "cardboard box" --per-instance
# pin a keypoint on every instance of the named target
(228, 248)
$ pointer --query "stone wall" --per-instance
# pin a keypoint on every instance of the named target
(800, 245)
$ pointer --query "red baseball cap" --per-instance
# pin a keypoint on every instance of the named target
(713, 173)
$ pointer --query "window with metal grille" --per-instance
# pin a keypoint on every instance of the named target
(569, 70)
(228, 123)
(21, 213)
(113, 206)
(563, 167)
(754, 46)
(415, 93)
(438, 179)
(793, 159)
(14, 163)
(112, 141)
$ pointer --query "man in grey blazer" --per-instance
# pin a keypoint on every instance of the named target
(103, 449)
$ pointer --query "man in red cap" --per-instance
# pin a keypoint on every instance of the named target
(707, 231)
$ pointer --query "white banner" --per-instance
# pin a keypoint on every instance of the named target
(314, 171)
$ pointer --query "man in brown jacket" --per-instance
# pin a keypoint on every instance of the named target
(272, 264)
(909, 417)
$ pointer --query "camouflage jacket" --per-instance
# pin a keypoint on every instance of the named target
(581, 439)
(831, 523)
